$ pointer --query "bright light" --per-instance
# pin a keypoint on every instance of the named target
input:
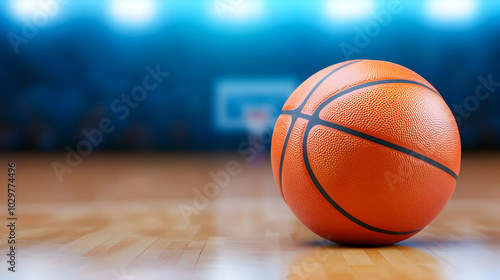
(237, 9)
(349, 9)
(248, 9)
(133, 11)
(25, 8)
(451, 9)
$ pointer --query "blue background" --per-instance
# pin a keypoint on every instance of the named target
(65, 78)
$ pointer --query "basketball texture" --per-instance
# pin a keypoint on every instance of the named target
(366, 152)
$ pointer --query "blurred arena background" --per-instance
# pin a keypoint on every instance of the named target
(220, 71)
(195, 87)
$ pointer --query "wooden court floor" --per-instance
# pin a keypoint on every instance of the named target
(127, 216)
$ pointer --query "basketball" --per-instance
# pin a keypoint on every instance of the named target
(365, 152)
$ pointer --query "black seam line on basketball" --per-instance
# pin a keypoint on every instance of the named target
(282, 159)
(315, 120)
(356, 87)
(363, 85)
(294, 119)
(321, 81)
(331, 201)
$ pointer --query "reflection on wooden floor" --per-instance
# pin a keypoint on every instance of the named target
(123, 216)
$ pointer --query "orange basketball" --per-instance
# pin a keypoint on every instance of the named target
(366, 152)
